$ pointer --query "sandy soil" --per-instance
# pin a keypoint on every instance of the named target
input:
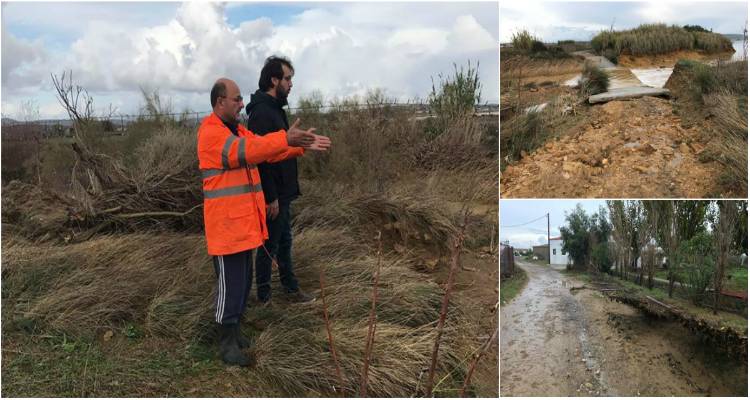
(669, 59)
(558, 342)
(538, 71)
(636, 148)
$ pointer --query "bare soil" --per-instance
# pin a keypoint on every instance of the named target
(634, 148)
(538, 70)
(668, 59)
(556, 341)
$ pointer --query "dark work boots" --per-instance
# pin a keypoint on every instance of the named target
(229, 348)
(242, 341)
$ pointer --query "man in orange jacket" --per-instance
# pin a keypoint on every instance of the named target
(234, 210)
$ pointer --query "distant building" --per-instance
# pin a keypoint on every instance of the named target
(541, 252)
(558, 256)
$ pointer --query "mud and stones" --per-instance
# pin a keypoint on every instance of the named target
(555, 342)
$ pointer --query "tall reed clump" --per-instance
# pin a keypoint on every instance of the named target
(651, 39)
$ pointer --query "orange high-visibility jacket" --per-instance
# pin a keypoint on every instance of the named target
(234, 211)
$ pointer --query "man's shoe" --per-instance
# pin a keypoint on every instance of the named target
(299, 297)
(228, 347)
(242, 341)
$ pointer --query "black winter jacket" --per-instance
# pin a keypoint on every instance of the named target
(279, 180)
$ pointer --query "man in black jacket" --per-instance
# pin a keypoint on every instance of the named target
(280, 185)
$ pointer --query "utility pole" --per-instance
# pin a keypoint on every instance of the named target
(549, 246)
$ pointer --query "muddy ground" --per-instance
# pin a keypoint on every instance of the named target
(558, 342)
(631, 148)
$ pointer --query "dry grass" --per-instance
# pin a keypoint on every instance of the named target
(730, 140)
(164, 283)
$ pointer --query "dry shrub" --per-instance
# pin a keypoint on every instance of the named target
(19, 159)
(162, 190)
(729, 143)
(458, 144)
(403, 214)
(369, 145)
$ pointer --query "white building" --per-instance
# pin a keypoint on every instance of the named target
(556, 252)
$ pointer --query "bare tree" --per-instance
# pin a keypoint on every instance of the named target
(619, 233)
(723, 235)
(76, 100)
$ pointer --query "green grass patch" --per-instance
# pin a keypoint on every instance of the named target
(511, 287)
(736, 279)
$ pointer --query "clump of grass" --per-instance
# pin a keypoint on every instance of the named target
(650, 39)
(730, 143)
(510, 287)
(523, 40)
(522, 134)
(525, 132)
(594, 80)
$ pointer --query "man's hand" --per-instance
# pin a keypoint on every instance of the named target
(272, 209)
(296, 137)
(321, 143)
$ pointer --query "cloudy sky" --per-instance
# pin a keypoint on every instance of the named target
(519, 212)
(553, 21)
(339, 49)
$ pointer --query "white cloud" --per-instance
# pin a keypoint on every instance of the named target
(338, 49)
(22, 62)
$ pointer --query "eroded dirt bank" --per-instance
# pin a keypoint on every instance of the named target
(558, 342)
(632, 148)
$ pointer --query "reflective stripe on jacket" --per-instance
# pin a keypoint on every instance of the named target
(234, 211)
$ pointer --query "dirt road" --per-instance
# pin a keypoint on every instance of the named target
(558, 342)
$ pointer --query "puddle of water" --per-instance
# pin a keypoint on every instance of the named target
(653, 77)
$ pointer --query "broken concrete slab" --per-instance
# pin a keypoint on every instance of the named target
(627, 93)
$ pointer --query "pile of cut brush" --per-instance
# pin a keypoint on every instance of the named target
(723, 338)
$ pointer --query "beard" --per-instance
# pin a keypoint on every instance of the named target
(281, 93)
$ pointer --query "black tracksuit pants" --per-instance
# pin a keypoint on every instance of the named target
(233, 280)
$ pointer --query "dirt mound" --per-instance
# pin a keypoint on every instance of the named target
(634, 148)
(679, 80)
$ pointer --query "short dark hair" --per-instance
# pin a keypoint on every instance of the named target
(219, 90)
(272, 69)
